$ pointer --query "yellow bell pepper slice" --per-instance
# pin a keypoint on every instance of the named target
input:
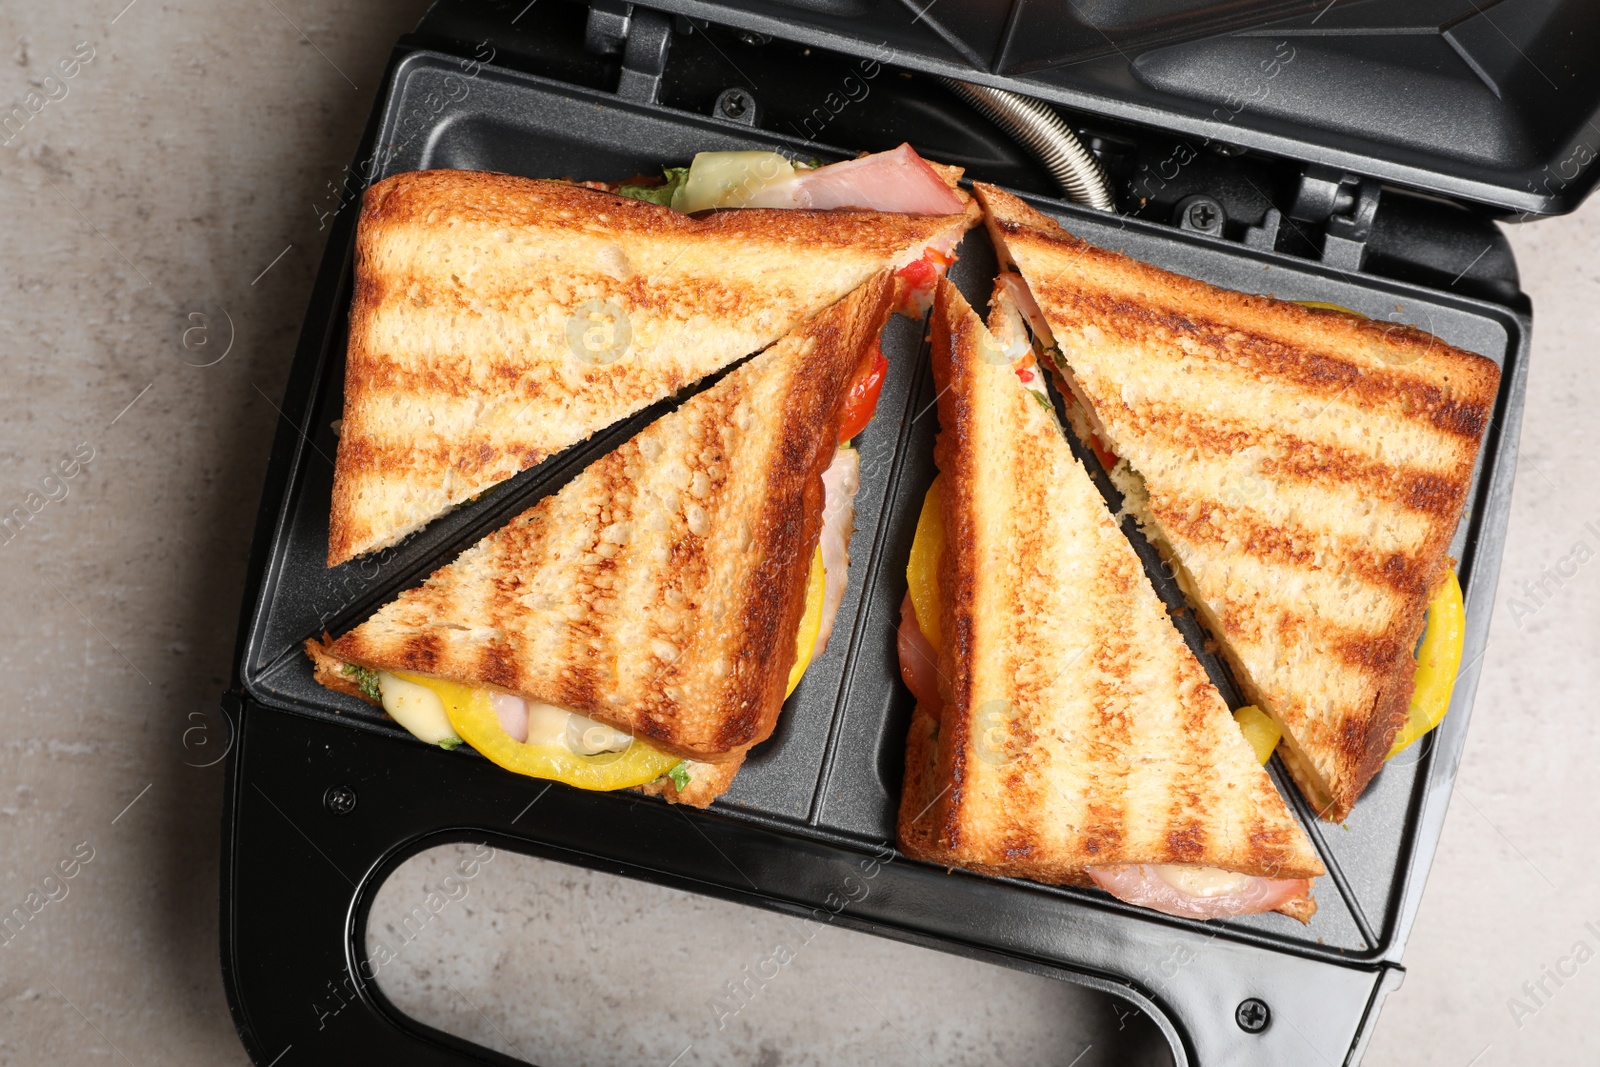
(1438, 662)
(810, 622)
(922, 569)
(1258, 729)
(470, 712)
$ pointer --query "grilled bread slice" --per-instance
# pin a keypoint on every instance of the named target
(660, 591)
(1303, 470)
(498, 320)
(1077, 729)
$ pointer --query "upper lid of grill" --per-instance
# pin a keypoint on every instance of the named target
(1495, 102)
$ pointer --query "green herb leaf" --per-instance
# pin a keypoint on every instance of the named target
(658, 194)
(449, 744)
(651, 194)
(680, 775)
(366, 681)
(1042, 399)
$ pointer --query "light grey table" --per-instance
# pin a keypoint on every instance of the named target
(172, 186)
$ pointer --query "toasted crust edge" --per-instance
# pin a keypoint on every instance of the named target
(328, 669)
(1300, 908)
(869, 308)
(705, 785)
(919, 839)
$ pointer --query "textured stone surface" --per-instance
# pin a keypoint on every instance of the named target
(196, 146)
(1513, 884)
(576, 967)
(186, 155)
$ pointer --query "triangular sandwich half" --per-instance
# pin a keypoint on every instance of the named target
(1303, 470)
(498, 320)
(1068, 735)
(645, 616)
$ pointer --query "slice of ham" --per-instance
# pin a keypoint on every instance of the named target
(897, 180)
(1143, 884)
(919, 663)
(840, 483)
(512, 713)
(1012, 285)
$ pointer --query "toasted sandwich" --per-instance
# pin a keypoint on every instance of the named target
(498, 320)
(1064, 732)
(642, 626)
(1303, 470)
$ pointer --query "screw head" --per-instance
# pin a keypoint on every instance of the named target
(1252, 1015)
(339, 799)
(1200, 214)
(737, 105)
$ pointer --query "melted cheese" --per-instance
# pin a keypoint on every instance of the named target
(419, 707)
(416, 707)
(1202, 881)
(730, 179)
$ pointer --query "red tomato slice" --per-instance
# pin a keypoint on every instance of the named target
(919, 274)
(922, 273)
(1108, 458)
(862, 400)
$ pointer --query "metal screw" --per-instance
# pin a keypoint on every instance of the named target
(1252, 1015)
(738, 106)
(1201, 214)
(750, 37)
(339, 799)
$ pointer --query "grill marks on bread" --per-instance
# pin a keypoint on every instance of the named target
(1077, 727)
(1320, 350)
(461, 369)
(1305, 468)
(1402, 478)
(661, 590)
(1132, 319)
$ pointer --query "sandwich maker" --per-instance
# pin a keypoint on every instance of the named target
(1354, 152)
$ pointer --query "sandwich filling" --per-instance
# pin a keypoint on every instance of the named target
(897, 181)
(1183, 890)
(1196, 892)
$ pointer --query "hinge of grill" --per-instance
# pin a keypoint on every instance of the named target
(1344, 205)
(641, 35)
